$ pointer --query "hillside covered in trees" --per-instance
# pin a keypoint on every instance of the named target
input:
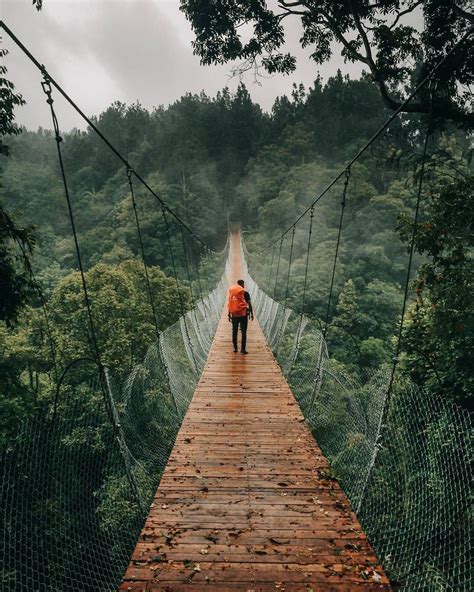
(214, 161)
(214, 158)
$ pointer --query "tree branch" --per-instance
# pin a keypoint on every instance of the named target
(365, 40)
(285, 4)
(340, 37)
(463, 14)
(403, 13)
(288, 11)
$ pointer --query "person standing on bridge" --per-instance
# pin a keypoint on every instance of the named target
(240, 309)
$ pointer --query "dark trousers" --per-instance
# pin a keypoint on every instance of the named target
(242, 322)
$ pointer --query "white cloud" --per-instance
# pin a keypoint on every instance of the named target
(106, 50)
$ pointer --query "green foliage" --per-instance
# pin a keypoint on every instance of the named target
(43, 347)
(16, 247)
(206, 157)
(374, 34)
(9, 99)
(439, 338)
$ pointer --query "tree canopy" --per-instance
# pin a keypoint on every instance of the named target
(376, 34)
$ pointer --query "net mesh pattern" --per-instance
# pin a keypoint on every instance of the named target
(74, 491)
(411, 488)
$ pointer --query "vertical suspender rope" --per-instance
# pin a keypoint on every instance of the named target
(46, 85)
(142, 251)
(104, 380)
(305, 285)
(198, 274)
(306, 268)
(271, 268)
(186, 265)
(287, 288)
(278, 267)
(338, 242)
(149, 289)
(386, 403)
(178, 288)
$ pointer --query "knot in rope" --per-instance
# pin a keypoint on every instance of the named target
(48, 91)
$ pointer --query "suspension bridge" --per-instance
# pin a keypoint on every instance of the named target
(246, 500)
(271, 471)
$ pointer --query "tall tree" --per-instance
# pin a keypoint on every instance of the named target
(372, 33)
(439, 338)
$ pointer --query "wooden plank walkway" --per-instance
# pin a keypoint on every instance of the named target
(246, 502)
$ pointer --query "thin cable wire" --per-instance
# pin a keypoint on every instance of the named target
(386, 406)
(287, 288)
(278, 267)
(380, 130)
(142, 251)
(198, 275)
(188, 270)
(104, 380)
(306, 268)
(336, 253)
(46, 85)
(271, 267)
(303, 298)
(178, 288)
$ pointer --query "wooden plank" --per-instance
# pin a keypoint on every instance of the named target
(246, 501)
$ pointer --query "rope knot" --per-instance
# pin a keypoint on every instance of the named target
(46, 86)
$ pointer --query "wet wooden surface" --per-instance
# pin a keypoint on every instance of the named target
(246, 502)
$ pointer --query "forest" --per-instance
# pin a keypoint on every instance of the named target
(215, 161)
(262, 170)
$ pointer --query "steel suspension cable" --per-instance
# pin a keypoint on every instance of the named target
(178, 287)
(336, 253)
(198, 275)
(271, 267)
(46, 85)
(103, 376)
(278, 267)
(188, 270)
(305, 285)
(396, 358)
(380, 130)
(287, 288)
(142, 251)
(306, 267)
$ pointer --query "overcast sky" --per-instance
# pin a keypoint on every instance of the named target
(101, 51)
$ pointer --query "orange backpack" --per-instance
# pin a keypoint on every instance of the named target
(237, 304)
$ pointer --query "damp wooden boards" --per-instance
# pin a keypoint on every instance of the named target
(247, 502)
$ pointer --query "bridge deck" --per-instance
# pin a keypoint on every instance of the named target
(246, 501)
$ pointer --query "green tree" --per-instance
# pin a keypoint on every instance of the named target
(439, 340)
(16, 247)
(372, 33)
(121, 312)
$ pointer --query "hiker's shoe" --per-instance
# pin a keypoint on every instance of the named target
(244, 352)
(235, 351)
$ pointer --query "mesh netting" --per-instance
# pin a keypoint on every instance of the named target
(75, 491)
(411, 490)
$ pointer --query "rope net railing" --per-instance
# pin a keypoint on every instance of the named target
(411, 489)
(74, 492)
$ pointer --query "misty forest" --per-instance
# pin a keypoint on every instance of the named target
(99, 360)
